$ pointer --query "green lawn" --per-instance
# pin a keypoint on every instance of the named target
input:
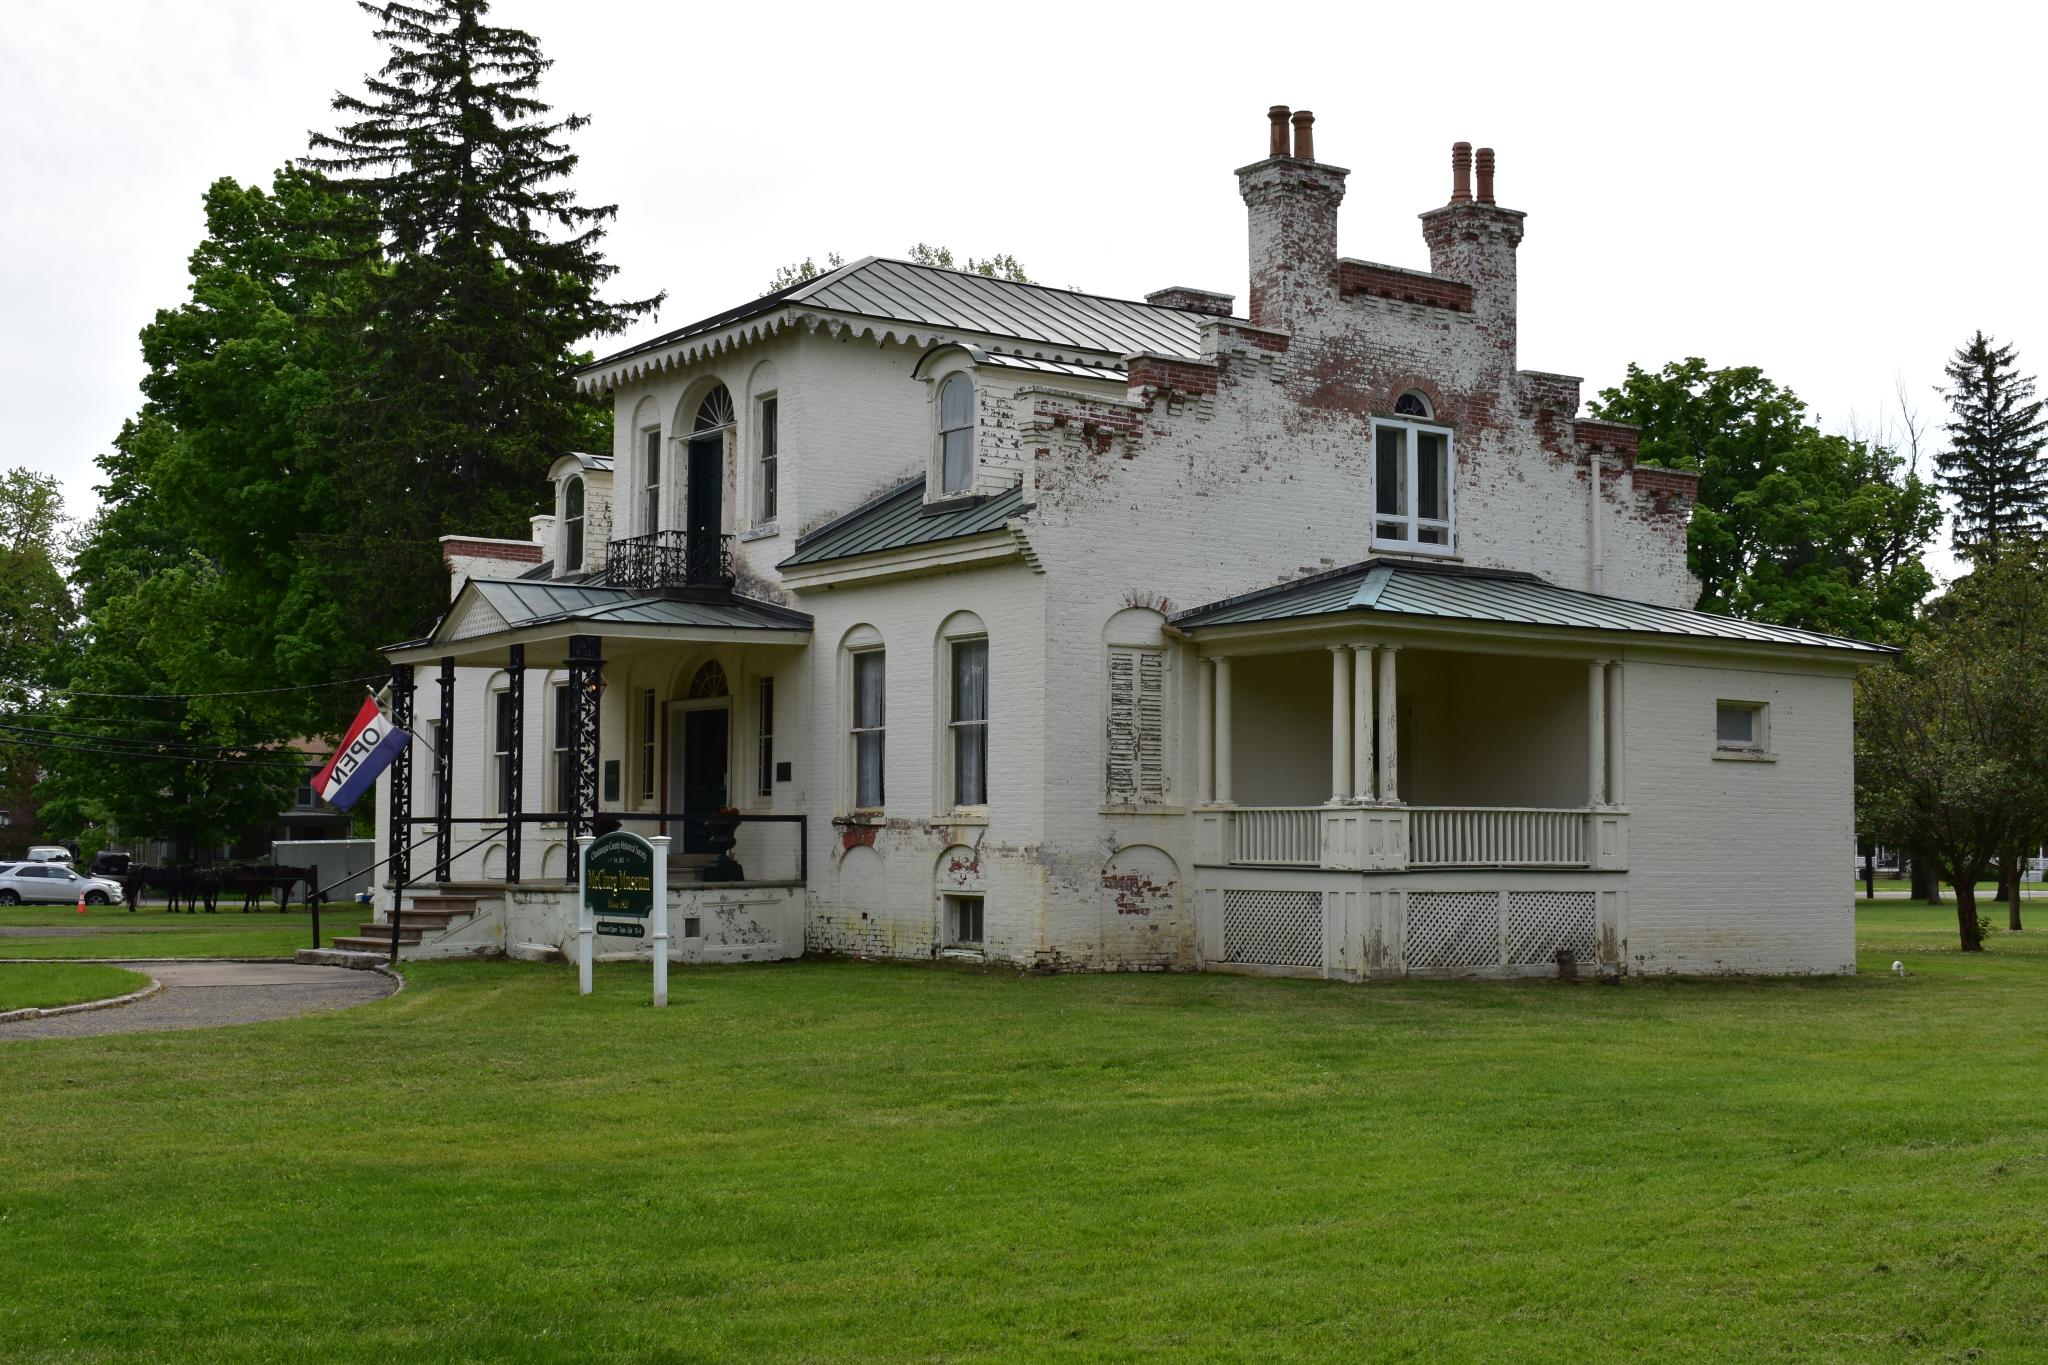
(153, 931)
(827, 1160)
(36, 986)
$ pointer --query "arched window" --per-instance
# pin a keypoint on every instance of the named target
(964, 688)
(572, 526)
(956, 434)
(715, 412)
(1412, 404)
(709, 682)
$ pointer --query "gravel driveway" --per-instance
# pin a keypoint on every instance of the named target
(210, 994)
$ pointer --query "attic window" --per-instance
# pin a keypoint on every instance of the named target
(956, 434)
(572, 526)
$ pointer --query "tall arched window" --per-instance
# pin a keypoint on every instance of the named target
(956, 434)
(572, 526)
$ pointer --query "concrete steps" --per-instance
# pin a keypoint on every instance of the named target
(431, 916)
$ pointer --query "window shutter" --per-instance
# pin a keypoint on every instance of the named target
(1137, 727)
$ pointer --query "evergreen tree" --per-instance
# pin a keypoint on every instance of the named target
(488, 281)
(1994, 467)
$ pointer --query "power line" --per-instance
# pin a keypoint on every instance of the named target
(200, 696)
(127, 739)
(300, 768)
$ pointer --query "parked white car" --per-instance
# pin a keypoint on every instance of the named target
(53, 882)
(49, 853)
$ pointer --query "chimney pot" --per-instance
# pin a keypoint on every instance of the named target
(1276, 144)
(1305, 136)
(1486, 175)
(1461, 172)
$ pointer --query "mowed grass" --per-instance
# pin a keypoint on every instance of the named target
(152, 931)
(36, 986)
(830, 1160)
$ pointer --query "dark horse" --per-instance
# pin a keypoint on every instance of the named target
(185, 882)
(254, 883)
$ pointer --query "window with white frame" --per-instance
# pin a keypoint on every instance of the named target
(572, 526)
(967, 720)
(764, 738)
(1411, 507)
(767, 442)
(963, 926)
(435, 777)
(648, 737)
(650, 480)
(869, 725)
(956, 434)
(501, 750)
(565, 776)
(1739, 726)
(1136, 768)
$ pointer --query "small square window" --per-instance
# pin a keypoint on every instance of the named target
(963, 921)
(1739, 725)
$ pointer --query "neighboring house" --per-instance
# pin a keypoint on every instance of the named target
(1083, 633)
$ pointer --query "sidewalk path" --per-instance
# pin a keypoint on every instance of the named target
(209, 994)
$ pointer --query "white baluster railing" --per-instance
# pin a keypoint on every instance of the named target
(1277, 835)
(1475, 836)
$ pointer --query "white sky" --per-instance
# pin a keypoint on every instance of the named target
(1838, 200)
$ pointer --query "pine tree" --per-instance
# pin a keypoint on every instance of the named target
(1994, 467)
(489, 281)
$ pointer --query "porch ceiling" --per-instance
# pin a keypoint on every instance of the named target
(1425, 592)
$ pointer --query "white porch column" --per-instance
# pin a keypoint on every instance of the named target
(1596, 733)
(1361, 721)
(1389, 755)
(1617, 748)
(1205, 731)
(1223, 717)
(1340, 724)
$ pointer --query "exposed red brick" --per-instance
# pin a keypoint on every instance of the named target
(1407, 286)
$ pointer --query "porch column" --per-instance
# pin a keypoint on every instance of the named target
(1596, 733)
(1617, 749)
(515, 755)
(399, 836)
(586, 685)
(444, 785)
(1340, 724)
(1205, 731)
(1362, 665)
(1390, 747)
(1223, 731)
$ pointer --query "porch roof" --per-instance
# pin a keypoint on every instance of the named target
(900, 518)
(1455, 592)
(492, 609)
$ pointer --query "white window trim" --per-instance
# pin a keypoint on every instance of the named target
(949, 803)
(650, 517)
(560, 715)
(935, 478)
(949, 903)
(850, 788)
(762, 517)
(764, 739)
(1758, 749)
(1410, 427)
(649, 791)
(496, 795)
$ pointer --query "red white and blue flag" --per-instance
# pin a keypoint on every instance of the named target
(366, 750)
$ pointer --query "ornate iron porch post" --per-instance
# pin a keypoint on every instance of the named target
(444, 771)
(514, 795)
(400, 834)
(586, 685)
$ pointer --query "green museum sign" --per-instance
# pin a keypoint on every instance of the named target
(619, 876)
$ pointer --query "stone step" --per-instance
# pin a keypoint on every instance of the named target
(437, 916)
(379, 946)
(339, 957)
(407, 933)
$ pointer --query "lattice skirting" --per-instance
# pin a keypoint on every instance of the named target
(1543, 923)
(1273, 928)
(1453, 928)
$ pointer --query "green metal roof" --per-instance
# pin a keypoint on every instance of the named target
(898, 519)
(1451, 592)
(525, 603)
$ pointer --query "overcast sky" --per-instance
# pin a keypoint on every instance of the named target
(1838, 201)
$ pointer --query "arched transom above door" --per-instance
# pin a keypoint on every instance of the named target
(709, 682)
(715, 412)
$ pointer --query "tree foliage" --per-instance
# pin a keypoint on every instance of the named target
(36, 615)
(1794, 526)
(1994, 467)
(999, 267)
(1952, 742)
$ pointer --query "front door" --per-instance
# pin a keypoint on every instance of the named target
(704, 515)
(702, 763)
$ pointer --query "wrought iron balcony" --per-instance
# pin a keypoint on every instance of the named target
(670, 559)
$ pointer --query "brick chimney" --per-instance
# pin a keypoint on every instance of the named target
(1292, 202)
(1473, 240)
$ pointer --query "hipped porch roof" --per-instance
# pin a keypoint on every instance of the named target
(492, 612)
(1453, 592)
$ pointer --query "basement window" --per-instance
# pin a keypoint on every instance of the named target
(963, 921)
(1740, 728)
(1411, 507)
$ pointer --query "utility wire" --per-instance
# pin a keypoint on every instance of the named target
(300, 768)
(127, 739)
(197, 696)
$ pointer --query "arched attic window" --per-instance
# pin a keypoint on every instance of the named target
(956, 434)
(572, 525)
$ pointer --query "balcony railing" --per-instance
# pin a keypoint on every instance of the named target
(1277, 836)
(1369, 837)
(670, 559)
(1443, 836)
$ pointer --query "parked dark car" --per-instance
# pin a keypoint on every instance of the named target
(111, 864)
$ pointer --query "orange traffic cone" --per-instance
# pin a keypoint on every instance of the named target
(81, 902)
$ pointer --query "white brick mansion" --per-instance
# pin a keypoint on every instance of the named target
(935, 613)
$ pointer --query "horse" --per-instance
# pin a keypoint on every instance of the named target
(270, 880)
(185, 882)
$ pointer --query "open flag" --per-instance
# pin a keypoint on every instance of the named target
(367, 749)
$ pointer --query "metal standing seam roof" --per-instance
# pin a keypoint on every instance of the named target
(1455, 593)
(961, 301)
(525, 603)
(897, 519)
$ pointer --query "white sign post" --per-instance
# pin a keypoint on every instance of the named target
(586, 923)
(660, 842)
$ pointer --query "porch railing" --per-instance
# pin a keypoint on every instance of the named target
(1278, 835)
(1463, 836)
(669, 559)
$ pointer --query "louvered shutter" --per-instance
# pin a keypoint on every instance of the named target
(1137, 727)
